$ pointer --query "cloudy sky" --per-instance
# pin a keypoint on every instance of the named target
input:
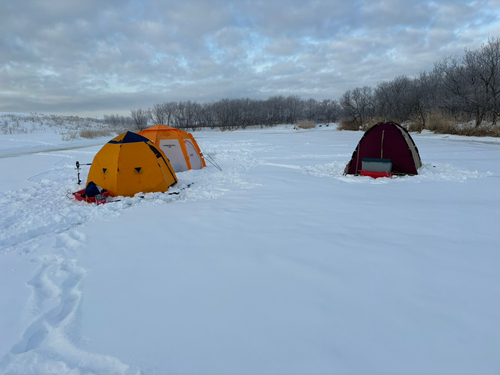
(95, 57)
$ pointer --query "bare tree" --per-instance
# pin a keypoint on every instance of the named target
(276, 106)
(489, 73)
(393, 99)
(311, 107)
(191, 114)
(293, 108)
(358, 104)
(140, 117)
(158, 114)
(333, 111)
(423, 91)
(461, 79)
(207, 116)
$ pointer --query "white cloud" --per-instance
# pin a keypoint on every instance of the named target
(106, 57)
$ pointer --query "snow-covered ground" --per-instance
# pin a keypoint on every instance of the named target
(278, 264)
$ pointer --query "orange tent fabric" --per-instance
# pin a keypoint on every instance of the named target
(179, 146)
(130, 164)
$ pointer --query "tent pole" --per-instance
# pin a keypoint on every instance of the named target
(210, 159)
(382, 146)
(357, 157)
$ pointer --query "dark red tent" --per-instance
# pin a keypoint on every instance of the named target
(386, 140)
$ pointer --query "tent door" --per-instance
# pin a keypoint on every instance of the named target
(173, 151)
(194, 157)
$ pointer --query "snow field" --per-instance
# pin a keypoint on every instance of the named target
(277, 264)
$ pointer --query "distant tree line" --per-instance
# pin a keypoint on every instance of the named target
(465, 88)
(119, 121)
(235, 113)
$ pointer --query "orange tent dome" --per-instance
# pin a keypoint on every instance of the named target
(179, 146)
(130, 164)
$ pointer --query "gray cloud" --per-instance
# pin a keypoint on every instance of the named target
(92, 57)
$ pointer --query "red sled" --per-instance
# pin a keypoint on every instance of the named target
(98, 199)
(373, 174)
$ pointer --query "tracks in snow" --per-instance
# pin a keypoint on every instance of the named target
(49, 341)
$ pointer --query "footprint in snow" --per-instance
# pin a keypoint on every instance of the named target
(56, 283)
(56, 297)
(70, 240)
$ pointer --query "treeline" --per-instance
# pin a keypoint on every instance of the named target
(460, 89)
(465, 89)
(118, 121)
(236, 113)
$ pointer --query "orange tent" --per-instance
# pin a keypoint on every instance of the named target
(179, 146)
(129, 164)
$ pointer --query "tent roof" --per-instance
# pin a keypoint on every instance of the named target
(164, 129)
(159, 127)
(128, 137)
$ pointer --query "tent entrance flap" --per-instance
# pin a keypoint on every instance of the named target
(172, 149)
(194, 157)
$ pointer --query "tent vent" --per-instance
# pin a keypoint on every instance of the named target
(138, 169)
